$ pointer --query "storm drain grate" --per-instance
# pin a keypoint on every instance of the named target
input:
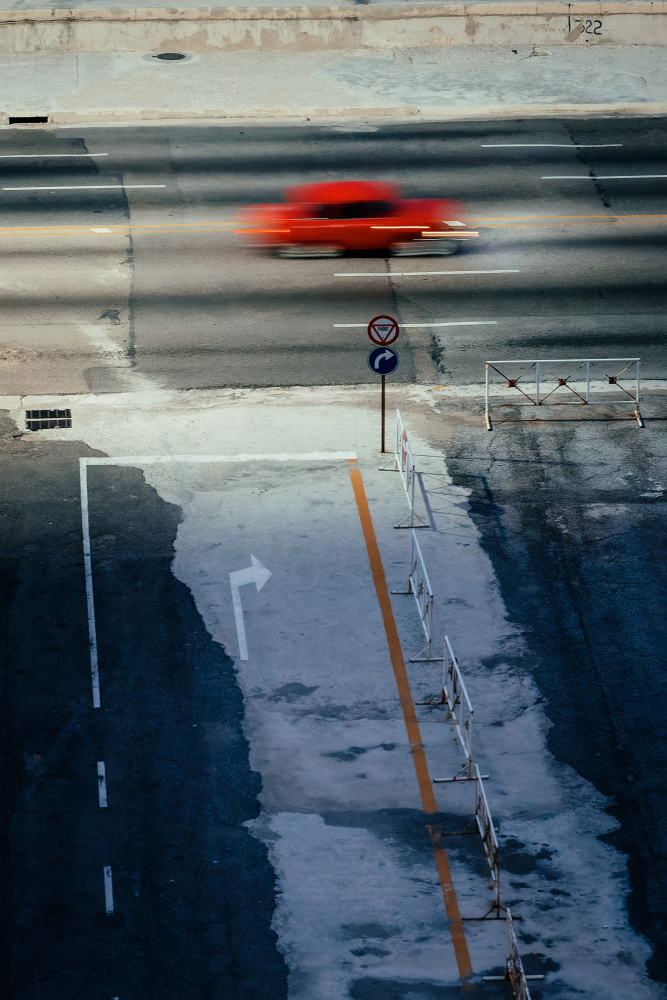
(28, 119)
(43, 420)
(169, 56)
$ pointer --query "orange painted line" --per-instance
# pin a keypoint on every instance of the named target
(412, 726)
(116, 229)
(547, 225)
(537, 218)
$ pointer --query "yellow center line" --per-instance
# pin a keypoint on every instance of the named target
(489, 222)
(538, 218)
(559, 225)
(127, 227)
(412, 727)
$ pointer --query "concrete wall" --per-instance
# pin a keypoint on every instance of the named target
(626, 22)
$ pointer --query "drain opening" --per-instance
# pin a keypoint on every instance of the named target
(44, 420)
(28, 119)
(169, 55)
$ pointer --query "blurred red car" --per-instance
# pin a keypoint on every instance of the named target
(325, 220)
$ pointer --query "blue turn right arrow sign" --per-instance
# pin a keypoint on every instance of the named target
(383, 360)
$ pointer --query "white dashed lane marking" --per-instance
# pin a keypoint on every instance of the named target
(458, 322)
(415, 274)
(102, 783)
(600, 177)
(47, 156)
(550, 145)
(84, 187)
(108, 891)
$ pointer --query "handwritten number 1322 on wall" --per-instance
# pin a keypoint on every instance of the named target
(589, 27)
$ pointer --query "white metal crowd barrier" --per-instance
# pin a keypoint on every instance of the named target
(404, 463)
(554, 381)
(418, 584)
(453, 693)
(487, 832)
(484, 825)
(513, 966)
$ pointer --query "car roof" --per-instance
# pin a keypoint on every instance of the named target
(335, 192)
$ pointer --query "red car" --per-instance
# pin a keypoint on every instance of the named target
(325, 220)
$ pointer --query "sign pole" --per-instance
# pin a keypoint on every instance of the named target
(383, 360)
(382, 451)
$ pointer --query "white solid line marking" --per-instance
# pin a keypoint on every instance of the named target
(458, 322)
(108, 891)
(306, 456)
(45, 156)
(102, 783)
(599, 177)
(409, 274)
(556, 145)
(84, 187)
(101, 230)
(92, 630)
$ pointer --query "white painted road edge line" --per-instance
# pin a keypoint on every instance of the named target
(84, 187)
(92, 631)
(599, 177)
(102, 783)
(462, 322)
(305, 456)
(410, 274)
(551, 145)
(108, 891)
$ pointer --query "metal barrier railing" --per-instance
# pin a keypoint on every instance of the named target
(541, 385)
(453, 693)
(482, 823)
(418, 584)
(487, 832)
(514, 972)
(404, 463)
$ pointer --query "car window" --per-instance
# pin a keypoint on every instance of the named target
(356, 210)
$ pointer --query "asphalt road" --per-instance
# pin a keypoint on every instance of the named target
(168, 299)
(169, 294)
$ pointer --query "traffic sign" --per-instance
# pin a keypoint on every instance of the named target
(383, 330)
(383, 360)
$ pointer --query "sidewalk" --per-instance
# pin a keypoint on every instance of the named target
(436, 83)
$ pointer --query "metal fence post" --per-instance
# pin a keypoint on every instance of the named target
(489, 425)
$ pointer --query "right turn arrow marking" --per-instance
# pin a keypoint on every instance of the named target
(257, 574)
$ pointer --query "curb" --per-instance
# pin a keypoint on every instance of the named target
(316, 116)
(379, 12)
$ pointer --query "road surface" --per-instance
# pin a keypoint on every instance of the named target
(121, 274)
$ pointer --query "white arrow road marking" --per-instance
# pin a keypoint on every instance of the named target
(381, 357)
(257, 574)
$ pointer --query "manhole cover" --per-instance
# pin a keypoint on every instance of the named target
(169, 55)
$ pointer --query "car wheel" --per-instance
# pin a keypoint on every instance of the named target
(303, 250)
(424, 248)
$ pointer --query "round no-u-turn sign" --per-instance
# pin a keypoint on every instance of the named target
(383, 330)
